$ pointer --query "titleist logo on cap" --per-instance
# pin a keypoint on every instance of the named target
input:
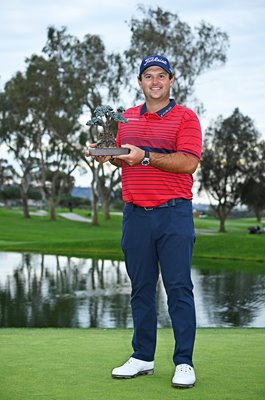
(152, 59)
(155, 60)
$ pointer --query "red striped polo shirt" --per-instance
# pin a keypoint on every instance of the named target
(172, 129)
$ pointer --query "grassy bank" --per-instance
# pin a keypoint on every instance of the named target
(62, 364)
(40, 235)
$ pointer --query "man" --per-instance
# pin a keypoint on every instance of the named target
(164, 139)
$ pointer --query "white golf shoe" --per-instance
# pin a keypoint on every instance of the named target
(132, 368)
(184, 376)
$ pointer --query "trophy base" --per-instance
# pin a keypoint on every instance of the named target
(108, 151)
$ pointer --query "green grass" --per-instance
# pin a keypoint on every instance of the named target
(62, 364)
(40, 235)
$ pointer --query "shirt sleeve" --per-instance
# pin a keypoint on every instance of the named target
(189, 138)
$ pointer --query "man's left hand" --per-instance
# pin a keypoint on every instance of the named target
(135, 156)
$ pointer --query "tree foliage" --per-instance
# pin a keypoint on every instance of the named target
(253, 189)
(228, 152)
(95, 75)
(191, 52)
(19, 132)
(41, 108)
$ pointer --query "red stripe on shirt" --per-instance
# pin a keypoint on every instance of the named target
(178, 130)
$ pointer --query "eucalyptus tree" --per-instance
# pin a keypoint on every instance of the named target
(19, 133)
(253, 189)
(57, 184)
(191, 52)
(228, 156)
(90, 75)
(47, 112)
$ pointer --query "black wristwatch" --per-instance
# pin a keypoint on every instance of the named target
(146, 160)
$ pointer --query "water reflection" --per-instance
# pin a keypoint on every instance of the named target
(53, 291)
(231, 298)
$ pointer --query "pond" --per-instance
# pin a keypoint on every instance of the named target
(55, 291)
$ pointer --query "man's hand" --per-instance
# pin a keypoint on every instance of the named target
(134, 157)
(99, 159)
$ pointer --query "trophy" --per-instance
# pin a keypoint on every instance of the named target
(106, 144)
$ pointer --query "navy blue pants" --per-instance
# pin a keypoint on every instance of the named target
(160, 237)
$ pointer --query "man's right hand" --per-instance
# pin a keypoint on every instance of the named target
(99, 159)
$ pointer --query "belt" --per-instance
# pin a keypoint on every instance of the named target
(169, 203)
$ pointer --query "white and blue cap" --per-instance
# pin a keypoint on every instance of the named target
(155, 60)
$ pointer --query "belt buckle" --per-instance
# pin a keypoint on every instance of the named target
(148, 208)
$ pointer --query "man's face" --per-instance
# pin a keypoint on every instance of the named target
(155, 84)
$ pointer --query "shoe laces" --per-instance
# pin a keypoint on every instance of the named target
(185, 368)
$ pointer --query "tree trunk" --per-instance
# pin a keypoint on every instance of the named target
(257, 212)
(222, 224)
(24, 187)
(52, 209)
(94, 206)
(25, 206)
(105, 185)
(106, 207)
(94, 198)
(54, 196)
(94, 210)
(222, 212)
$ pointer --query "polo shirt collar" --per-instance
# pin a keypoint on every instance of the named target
(161, 112)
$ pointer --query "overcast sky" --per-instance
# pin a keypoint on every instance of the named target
(240, 83)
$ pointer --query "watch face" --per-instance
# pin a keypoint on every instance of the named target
(145, 161)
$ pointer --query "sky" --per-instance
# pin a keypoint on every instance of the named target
(239, 83)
